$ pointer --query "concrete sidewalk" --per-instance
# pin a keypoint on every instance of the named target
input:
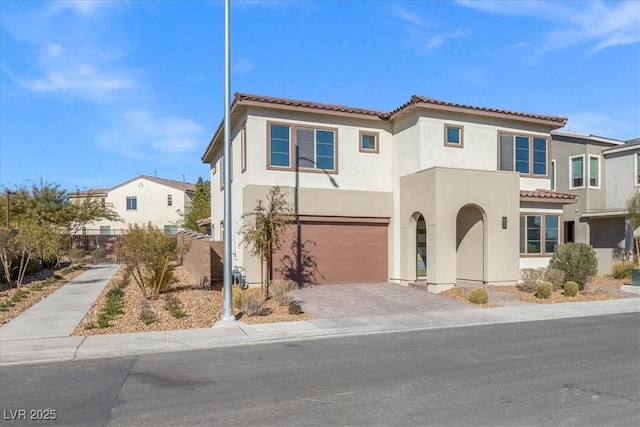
(25, 340)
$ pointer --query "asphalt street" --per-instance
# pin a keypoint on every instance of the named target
(564, 372)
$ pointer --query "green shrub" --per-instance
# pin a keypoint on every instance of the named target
(76, 255)
(622, 269)
(295, 308)
(578, 261)
(103, 320)
(530, 279)
(544, 291)
(571, 289)
(19, 295)
(172, 303)
(99, 255)
(50, 280)
(479, 295)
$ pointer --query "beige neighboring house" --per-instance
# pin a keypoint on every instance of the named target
(142, 200)
(432, 191)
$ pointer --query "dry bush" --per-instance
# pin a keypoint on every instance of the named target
(544, 290)
(252, 303)
(622, 269)
(530, 279)
(479, 295)
(553, 276)
(280, 291)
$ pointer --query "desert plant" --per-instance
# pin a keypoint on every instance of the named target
(544, 290)
(104, 320)
(295, 308)
(578, 261)
(99, 255)
(50, 280)
(263, 230)
(530, 279)
(76, 255)
(146, 314)
(633, 214)
(571, 289)
(173, 304)
(252, 303)
(148, 252)
(553, 276)
(478, 295)
(280, 291)
(622, 269)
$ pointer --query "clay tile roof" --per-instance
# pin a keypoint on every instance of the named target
(548, 195)
(308, 104)
(417, 99)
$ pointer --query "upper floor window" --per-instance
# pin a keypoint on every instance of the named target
(132, 203)
(169, 200)
(369, 142)
(525, 154)
(243, 149)
(576, 180)
(103, 201)
(453, 136)
(594, 171)
(315, 148)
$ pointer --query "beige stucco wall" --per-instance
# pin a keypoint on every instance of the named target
(439, 194)
(315, 202)
(151, 204)
(620, 178)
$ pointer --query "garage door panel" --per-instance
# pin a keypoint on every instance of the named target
(342, 252)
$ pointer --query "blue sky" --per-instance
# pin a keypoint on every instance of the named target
(93, 93)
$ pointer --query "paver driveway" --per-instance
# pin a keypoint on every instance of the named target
(363, 299)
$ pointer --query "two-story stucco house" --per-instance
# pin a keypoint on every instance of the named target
(142, 200)
(431, 191)
(600, 171)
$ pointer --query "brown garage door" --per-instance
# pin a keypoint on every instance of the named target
(335, 250)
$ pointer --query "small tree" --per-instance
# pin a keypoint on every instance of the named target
(148, 252)
(200, 206)
(264, 229)
(633, 212)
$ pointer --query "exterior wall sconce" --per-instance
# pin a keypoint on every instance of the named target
(504, 222)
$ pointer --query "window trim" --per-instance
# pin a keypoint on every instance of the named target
(636, 165)
(448, 126)
(243, 149)
(579, 187)
(133, 199)
(532, 138)
(594, 156)
(376, 138)
(292, 145)
(543, 229)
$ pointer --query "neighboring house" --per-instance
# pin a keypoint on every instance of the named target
(431, 191)
(594, 168)
(142, 200)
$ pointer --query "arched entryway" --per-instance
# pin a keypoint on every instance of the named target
(470, 244)
(421, 247)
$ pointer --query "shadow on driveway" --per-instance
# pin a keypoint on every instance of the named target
(364, 299)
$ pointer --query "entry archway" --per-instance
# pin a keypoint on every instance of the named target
(471, 243)
(420, 247)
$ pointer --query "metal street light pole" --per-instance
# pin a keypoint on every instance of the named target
(227, 316)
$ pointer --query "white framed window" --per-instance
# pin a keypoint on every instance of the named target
(576, 168)
(594, 171)
(553, 174)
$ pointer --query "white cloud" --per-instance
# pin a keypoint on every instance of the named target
(81, 7)
(599, 124)
(242, 66)
(598, 24)
(423, 37)
(411, 18)
(436, 41)
(144, 135)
